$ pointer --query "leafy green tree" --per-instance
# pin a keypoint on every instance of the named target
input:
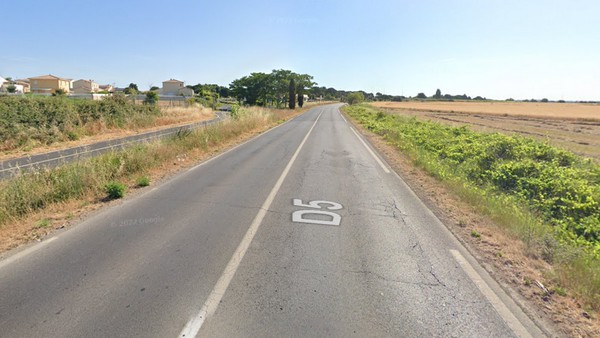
(11, 88)
(280, 81)
(153, 88)
(255, 89)
(292, 94)
(268, 89)
(151, 98)
(131, 89)
(214, 88)
(303, 82)
(421, 96)
(438, 94)
(59, 92)
(355, 98)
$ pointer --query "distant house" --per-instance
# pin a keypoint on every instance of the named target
(107, 88)
(49, 84)
(85, 86)
(25, 84)
(174, 87)
(19, 86)
(3, 82)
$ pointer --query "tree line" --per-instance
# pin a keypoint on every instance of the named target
(279, 88)
(271, 89)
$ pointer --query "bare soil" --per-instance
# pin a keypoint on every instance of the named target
(505, 257)
(566, 129)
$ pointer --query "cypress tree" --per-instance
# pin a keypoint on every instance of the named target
(292, 94)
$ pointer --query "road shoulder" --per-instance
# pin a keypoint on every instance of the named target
(503, 257)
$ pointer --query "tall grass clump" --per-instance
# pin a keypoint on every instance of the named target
(246, 119)
(547, 196)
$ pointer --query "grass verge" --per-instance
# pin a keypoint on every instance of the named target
(546, 197)
(30, 196)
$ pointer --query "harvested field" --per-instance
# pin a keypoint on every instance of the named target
(578, 111)
(571, 126)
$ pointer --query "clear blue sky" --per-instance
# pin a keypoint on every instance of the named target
(498, 49)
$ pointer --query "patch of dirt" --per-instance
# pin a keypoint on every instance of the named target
(503, 256)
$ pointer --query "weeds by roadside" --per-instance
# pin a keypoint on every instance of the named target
(32, 192)
(143, 181)
(545, 196)
(115, 190)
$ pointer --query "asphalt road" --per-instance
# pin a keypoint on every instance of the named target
(55, 158)
(301, 232)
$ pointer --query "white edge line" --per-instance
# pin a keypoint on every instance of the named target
(26, 252)
(385, 169)
(247, 141)
(193, 326)
(498, 305)
(343, 118)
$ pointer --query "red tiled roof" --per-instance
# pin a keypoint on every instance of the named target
(48, 77)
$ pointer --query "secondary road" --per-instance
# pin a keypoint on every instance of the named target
(301, 232)
(55, 158)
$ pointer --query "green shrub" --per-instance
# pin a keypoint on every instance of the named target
(34, 120)
(115, 190)
(235, 111)
(143, 181)
(151, 98)
(355, 98)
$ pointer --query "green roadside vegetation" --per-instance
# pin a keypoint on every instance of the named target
(103, 176)
(547, 197)
(26, 122)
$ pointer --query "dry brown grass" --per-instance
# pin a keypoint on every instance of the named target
(176, 115)
(583, 111)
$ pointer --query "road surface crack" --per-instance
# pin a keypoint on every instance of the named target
(384, 278)
(391, 207)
